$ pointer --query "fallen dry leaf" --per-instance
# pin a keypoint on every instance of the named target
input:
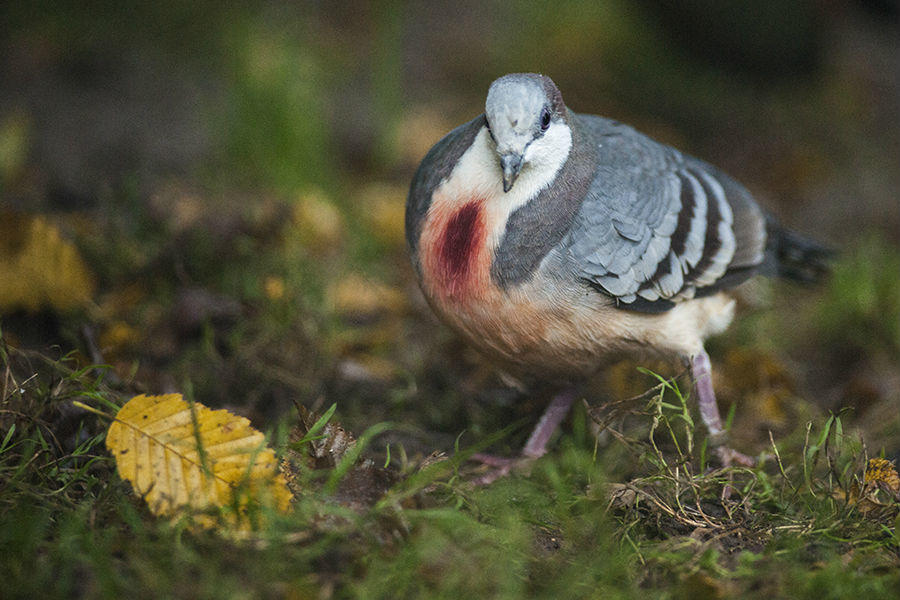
(329, 444)
(319, 222)
(356, 297)
(880, 478)
(384, 206)
(180, 457)
(318, 443)
(38, 267)
(417, 132)
(883, 473)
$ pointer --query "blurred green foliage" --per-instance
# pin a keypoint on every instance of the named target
(861, 309)
(276, 128)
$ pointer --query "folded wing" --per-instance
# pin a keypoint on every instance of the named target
(657, 226)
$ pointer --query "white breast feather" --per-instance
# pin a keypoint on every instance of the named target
(478, 174)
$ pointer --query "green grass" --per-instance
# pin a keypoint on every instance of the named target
(69, 527)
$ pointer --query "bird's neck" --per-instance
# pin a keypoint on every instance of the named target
(478, 174)
(535, 229)
(468, 215)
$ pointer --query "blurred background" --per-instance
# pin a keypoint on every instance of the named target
(210, 197)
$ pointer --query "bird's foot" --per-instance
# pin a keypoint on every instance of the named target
(498, 467)
(535, 447)
(709, 410)
(731, 457)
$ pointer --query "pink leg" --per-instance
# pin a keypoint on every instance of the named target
(709, 411)
(536, 446)
(554, 414)
(706, 396)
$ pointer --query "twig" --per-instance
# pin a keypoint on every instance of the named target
(614, 407)
(780, 465)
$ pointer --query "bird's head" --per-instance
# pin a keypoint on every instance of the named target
(528, 123)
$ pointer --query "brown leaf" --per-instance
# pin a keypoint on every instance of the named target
(620, 495)
(883, 473)
(331, 444)
(880, 476)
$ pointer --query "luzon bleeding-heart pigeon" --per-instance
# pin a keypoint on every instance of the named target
(555, 242)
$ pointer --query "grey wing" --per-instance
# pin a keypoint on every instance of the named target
(657, 226)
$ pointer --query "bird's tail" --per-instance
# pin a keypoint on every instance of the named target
(795, 257)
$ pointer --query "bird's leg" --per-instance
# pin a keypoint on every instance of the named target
(709, 411)
(536, 446)
(554, 414)
(706, 396)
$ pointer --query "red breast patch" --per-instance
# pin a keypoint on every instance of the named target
(454, 255)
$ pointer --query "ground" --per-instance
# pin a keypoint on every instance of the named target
(211, 203)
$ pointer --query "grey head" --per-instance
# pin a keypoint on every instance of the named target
(521, 109)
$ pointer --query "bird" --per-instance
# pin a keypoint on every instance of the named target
(555, 242)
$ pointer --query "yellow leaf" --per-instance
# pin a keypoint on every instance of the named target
(384, 206)
(273, 287)
(884, 474)
(418, 131)
(318, 220)
(356, 296)
(118, 336)
(180, 461)
(880, 478)
(38, 267)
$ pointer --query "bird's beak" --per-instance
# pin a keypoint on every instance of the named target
(511, 165)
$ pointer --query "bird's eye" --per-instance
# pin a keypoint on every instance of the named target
(545, 119)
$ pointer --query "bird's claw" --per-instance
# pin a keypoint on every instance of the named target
(731, 457)
(498, 467)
